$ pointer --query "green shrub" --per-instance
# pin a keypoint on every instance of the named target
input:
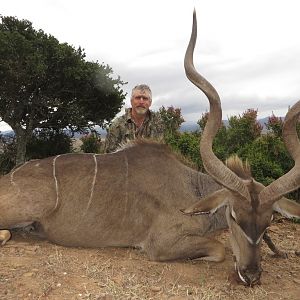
(45, 143)
(187, 144)
(91, 143)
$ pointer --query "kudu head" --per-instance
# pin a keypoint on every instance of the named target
(250, 205)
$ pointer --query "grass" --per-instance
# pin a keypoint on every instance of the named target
(70, 273)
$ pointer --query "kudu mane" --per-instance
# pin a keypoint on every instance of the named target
(240, 168)
(157, 146)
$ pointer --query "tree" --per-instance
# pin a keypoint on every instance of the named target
(48, 142)
(7, 153)
(172, 119)
(275, 125)
(46, 84)
(43, 143)
(242, 130)
(202, 121)
(187, 144)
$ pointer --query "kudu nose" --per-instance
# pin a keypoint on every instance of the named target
(251, 275)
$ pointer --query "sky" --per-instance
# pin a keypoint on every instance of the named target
(249, 50)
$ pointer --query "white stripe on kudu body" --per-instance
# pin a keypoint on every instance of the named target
(55, 181)
(12, 177)
(126, 187)
(93, 184)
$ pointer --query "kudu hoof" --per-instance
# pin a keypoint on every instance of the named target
(5, 236)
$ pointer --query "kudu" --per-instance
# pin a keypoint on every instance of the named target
(249, 204)
(133, 197)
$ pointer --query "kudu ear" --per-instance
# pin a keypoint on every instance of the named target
(208, 204)
(287, 208)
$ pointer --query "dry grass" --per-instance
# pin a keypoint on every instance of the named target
(33, 269)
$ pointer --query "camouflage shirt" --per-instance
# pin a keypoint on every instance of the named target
(124, 129)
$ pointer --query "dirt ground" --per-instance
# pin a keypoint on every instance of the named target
(36, 269)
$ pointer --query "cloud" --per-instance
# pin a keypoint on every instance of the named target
(249, 51)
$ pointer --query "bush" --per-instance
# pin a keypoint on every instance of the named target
(268, 158)
(91, 143)
(187, 144)
(45, 143)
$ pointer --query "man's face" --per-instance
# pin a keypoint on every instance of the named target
(141, 101)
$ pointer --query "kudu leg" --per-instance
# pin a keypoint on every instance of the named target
(271, 245)
(20, 207)
(186, 247)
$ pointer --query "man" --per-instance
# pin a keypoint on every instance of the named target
(137, 122)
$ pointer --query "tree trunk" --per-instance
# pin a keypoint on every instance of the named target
(21, 141)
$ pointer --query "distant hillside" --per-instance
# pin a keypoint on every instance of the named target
(188, 126)
(76, 134)
(185, 127)
(192, 126)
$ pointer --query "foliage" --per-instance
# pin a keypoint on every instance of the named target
(220, 147)
(268, 158)
(45, 143)
(265, 152)
(8, 154)
(202, 121)
(242, 130)
(172, 120)
(275, 125)
(47, 84)
(91, 143)
(187, 144)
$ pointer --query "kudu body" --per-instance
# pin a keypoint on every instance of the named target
(133, 198)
